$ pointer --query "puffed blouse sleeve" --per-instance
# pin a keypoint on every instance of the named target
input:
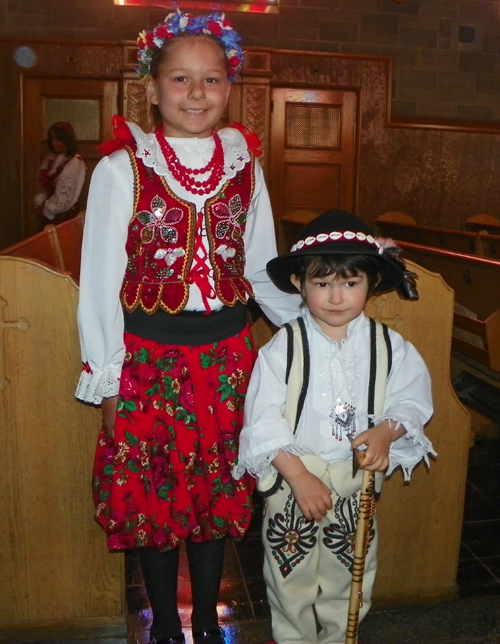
(260, 247)
(408, 402)
(265, 430)
(69, 184)
(104, 259)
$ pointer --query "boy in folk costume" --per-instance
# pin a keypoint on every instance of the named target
(310, 521)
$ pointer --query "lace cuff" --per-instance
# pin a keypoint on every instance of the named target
(93, 387)
(410, 449)
(260, 466)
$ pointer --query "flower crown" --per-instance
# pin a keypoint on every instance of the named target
(178, 23)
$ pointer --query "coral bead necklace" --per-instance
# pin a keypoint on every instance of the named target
(187, 177)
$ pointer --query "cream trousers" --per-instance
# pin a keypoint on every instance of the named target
(307, 564)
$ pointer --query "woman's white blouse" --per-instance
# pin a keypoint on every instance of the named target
(68, 186)
(104, 259)
(336, 370)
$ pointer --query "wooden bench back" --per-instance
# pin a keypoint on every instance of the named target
(476, 283)
(48, 440)
(57, 247)
(427, 513)
(482, 221)
(456, 240)
(475, 280)
(488, 245)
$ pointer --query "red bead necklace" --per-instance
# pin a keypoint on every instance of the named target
(183, 174)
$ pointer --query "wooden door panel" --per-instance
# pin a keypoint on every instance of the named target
(87, 104)
(313, 152)
(311, 186)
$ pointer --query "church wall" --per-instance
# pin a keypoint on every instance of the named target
(446, 53)
(420, 153)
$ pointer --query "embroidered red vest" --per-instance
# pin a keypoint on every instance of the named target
(161, 237)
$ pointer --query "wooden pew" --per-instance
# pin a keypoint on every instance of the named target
(57, 247)
(455, 240)
(397, 216)
(486, 348)
(422, 520)
(476, 282)
(488, 245)
(478, 240)
(57, 571)
(482, 221)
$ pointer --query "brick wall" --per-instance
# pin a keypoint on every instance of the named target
(446, 53)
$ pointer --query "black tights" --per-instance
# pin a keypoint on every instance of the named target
(160, 570)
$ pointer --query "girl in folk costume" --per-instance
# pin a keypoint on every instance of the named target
(61, 177)
(177, 235)
(362, 386)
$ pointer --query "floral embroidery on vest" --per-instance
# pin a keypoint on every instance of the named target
(161, 219)
(233, 217)
(161, 239)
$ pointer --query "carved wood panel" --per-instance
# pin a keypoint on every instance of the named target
(256, 104)
(135, 104)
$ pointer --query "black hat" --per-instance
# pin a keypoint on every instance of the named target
(337, 232)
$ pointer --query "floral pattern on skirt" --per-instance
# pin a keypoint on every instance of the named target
(167, 475)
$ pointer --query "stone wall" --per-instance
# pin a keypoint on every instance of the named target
(446, 53)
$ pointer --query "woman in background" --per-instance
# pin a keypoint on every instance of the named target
(61, 177)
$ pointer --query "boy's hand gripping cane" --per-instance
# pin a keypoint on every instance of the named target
(365, 514)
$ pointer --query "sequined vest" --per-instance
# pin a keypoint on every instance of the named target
(161, 241)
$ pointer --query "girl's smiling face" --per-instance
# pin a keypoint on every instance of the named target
(192, 88)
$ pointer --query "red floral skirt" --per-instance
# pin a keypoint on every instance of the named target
(167, 475)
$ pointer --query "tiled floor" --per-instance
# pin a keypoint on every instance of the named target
(474, 618)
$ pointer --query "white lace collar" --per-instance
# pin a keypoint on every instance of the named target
(192, 152)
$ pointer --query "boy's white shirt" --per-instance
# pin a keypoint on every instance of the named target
(104, 259)
(408, 400)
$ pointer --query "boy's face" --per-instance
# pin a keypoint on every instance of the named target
(334, 301)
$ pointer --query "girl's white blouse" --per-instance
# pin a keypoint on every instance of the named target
(109, 211)
(336, 371)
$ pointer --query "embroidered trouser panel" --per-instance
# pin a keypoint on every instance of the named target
(307, 569)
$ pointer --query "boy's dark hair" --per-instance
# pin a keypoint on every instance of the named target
(343, 265)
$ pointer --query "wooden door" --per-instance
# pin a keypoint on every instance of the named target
(87, 104)
(313, 153)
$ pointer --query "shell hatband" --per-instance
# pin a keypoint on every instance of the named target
(334, 236)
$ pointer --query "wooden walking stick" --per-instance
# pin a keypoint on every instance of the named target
(365, 514)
